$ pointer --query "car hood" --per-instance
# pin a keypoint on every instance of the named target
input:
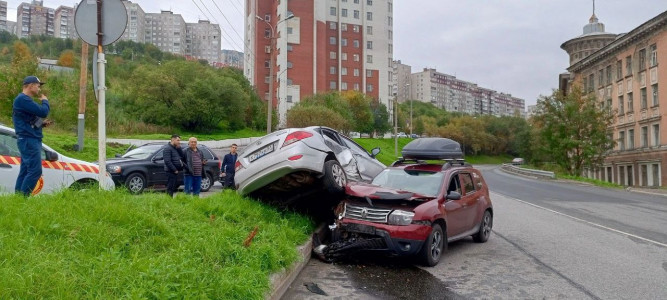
(363, 190)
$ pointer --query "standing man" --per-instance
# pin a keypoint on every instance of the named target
(173, 155)
(227, 169)
(28, 118)
(194, 168)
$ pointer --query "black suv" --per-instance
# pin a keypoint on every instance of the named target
(143, 167)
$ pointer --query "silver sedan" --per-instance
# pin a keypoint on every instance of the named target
(290, 159)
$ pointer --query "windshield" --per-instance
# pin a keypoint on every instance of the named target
(416, 181)
(142, 152)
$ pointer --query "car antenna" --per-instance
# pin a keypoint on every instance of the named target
(369, 201)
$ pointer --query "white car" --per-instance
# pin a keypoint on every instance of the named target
(292, 159)
(58, 171)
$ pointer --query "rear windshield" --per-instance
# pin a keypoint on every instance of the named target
(417, 181)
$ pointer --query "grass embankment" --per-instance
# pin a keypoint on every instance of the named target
(109, 245)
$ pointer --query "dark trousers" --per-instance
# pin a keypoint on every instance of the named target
(229, 181)
(172, 178)
(31, 165)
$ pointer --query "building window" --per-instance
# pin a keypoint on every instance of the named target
(369, 73)
(369, 59)
(355, 28)
(621, 106)
(343, 56)
(356, 14)
(332, 70)
(332, 11)
(356, 86)
(267, 17)
(654, 55)
(267, 32)
(390, 20)
(332, 40)
(343, 42)
(289, 47)
(369, 45)
(369, 16)
(355, 43)
(585, 80)
(343, 27)
(343, 12)
(289, 65)
(619, 70)
(332, 85)
(356, 72)
(628, 66)
(332, 25)
(644, 137)
(267, 79)
(656, 134)
(631, 103)
(369, 30)
(356, 1)
(608, 75)
(369, 88)
(289, 98)
(355, 57)
(343, 71)
(621, 140)
(591, 82)
(644, 102)
(601, 78)
(631, 139)
(267, 64)
(369, 2)
(642, 59)
(332, 55)
(343, 86)
(654, 89)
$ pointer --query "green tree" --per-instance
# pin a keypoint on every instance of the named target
(360, 108)
(309, 115)
(380, 118)
(573, 131)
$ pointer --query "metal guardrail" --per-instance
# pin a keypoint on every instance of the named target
(528, 172)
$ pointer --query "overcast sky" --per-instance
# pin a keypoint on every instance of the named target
(512, 46)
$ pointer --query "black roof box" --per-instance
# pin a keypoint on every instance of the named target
(432, 148)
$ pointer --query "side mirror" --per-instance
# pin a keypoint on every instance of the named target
(51, 156)
(375, 152)
(155, 159)
(118, 155)
(454, 196)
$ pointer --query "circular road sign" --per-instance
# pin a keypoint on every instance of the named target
(114, 21)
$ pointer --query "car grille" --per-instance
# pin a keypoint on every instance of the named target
(367, 214)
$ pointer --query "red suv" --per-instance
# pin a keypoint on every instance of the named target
(414, 207)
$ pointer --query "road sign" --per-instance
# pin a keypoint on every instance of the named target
(114, 21)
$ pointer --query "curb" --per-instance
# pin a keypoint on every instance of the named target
(282, 280)
(629, 189)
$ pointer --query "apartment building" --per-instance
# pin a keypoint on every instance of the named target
(64, 23)
(3, 16)
(35, 19)
(231, 58)
(455, 95)
(202, 41)
(135, 30)
(318, 46)
(166, 31)
(626, 78)
(401, 81)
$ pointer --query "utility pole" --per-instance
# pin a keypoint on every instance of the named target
(83, 79)
(395, 126)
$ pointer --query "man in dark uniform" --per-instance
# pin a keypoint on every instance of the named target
(227, 168)
(173, 162)
(28, 118)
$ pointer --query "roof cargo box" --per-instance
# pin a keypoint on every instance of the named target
(432, 148)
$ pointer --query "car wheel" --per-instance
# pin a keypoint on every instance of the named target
(484, 228)
(206, 182)
(434, 246)
(136, 183)
(334, 177)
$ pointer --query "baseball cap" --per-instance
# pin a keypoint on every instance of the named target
(32, 79)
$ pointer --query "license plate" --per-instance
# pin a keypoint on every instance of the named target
(360, 228)
(261, 152)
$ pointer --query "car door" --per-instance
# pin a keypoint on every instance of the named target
(156, 173)
(469, 199)
(454, 209)
(367, 165)
(9, 162)
(343, 154)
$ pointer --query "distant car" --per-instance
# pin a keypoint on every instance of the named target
(414, 136)
(402, 135)
(143, 167)
(354, 135)
(517, 161)
(58, 171)
(414, 207)
(297, 158)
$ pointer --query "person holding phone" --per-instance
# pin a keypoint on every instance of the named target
(28, 118)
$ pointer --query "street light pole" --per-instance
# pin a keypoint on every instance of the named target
(395, 126)
(407, 85)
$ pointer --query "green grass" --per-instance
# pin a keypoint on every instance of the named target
(595, 182)
(110, 245)
(64, 143)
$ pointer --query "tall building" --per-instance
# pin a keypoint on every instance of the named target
(401, 81)
(626, 78)
(319, 46)
(455, 95)
(203, 41)
(166, 31)
(34, 19)
(3, 15)
(136, 23)
(231, 58)
(64, 23)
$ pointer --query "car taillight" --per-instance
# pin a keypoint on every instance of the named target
(295, 157)
(237, 166)
(219, 162)
(295, 137)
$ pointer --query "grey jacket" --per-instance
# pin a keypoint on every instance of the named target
(188, 160)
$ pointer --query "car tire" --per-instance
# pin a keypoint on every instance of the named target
(135, 183)
(485, 227)
(334, 177)
(206, 182)
(434, 246)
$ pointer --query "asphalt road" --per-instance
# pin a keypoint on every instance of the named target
(550, 240)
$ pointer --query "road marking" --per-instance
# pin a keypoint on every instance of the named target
(587, 222)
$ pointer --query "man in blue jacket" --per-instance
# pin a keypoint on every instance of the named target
(28, 118)
(227, 168)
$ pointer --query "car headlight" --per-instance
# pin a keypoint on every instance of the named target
(400, 217)
(113, 169)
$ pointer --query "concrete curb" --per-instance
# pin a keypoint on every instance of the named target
(630, 189)
(281, 281)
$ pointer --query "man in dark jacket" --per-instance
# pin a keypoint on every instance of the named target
(227, 168)
(173, 162)
(28, 118)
